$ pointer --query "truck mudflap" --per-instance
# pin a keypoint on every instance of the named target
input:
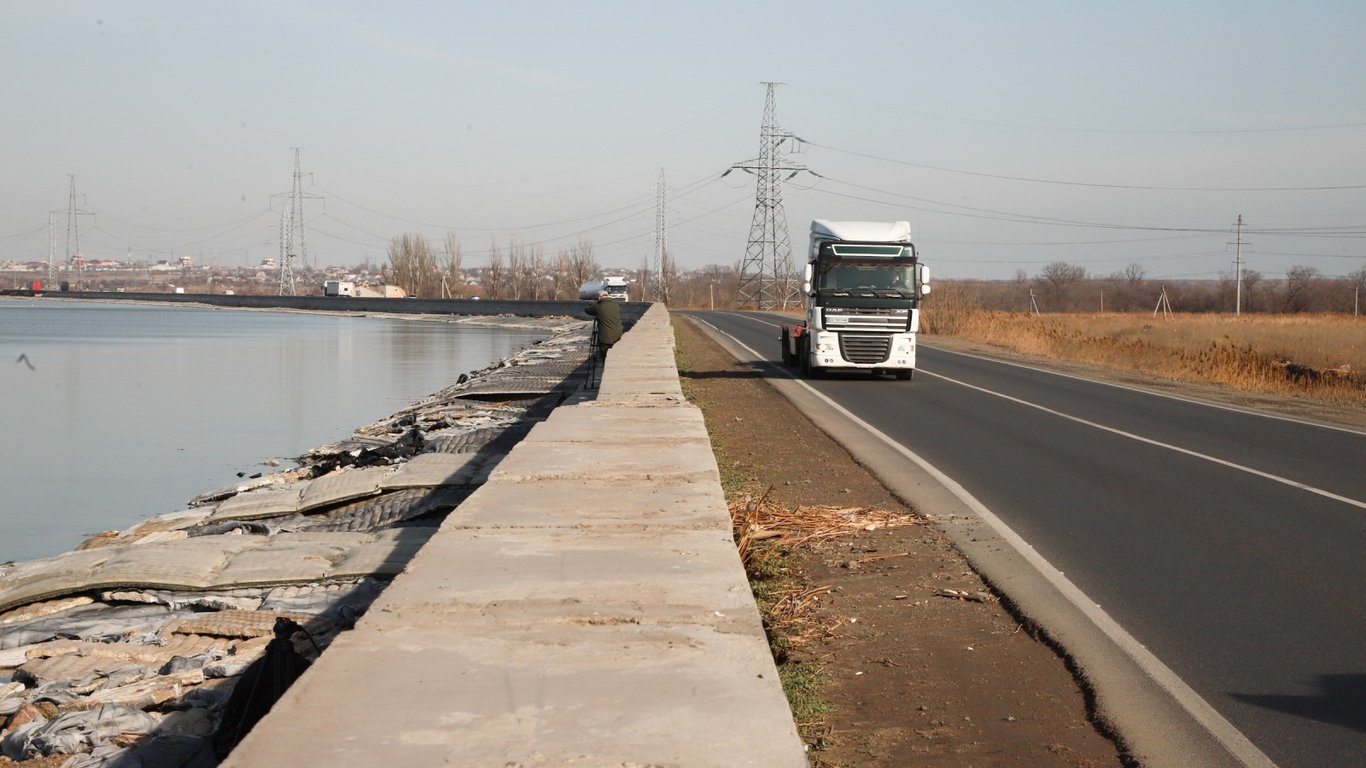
(791, 337)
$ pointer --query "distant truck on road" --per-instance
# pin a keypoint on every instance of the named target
(862, 286)
(339, 288)
(615, 286)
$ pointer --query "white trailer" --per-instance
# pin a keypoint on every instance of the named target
(339, 288)
(863, 285)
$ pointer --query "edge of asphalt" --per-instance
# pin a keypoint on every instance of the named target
(1158, 720)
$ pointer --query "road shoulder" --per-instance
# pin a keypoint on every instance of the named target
(914, 676)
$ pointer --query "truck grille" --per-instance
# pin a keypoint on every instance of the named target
(865, 348)
(887, 320)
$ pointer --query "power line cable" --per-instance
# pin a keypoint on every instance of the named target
(987, 214)
(638, 205)
(225, 226)
(1092, 185)
(1073, 129)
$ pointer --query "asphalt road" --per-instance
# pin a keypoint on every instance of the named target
(1232, 545)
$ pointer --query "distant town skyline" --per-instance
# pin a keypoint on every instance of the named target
(1009, 136)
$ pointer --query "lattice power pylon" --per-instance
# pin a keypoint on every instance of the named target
(73, 238)
(766, 275)
(662, 268)
(292, 232)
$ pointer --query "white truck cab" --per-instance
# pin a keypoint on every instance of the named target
(863, 285)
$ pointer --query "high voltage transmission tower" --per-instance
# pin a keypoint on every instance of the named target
(73, 235)
(662, 265)
(292, 232)
(767, 279)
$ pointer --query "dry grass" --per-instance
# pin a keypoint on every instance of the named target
(764, 532)
(762, 527)
(758, 519)
(1320, 357)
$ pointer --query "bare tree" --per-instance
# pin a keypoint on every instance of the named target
(582, 267)
(1055, 282)
(564, 287)
(414, 267)
(516, 274)
(536, 269)
(1299, 288)
(1355, 286)
(495, 276)
(454, 283)
(1256, 292)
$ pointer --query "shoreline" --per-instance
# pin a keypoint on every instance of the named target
(190, 598)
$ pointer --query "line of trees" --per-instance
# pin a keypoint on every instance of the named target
(1064, 287)
(517, 271)
(523, 272)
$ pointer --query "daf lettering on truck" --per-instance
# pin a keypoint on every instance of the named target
(863, 285)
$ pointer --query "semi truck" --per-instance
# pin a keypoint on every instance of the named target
(863, 285)
(615, 286)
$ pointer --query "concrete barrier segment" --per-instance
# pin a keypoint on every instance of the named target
(586, 606)
(669, 503)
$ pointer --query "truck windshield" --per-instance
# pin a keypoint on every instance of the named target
(846, 275)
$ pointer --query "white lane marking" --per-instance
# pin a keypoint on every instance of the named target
(1130, 435)
(1195, 705)
(1153, 393)
(1116, 385)
(1158, 443)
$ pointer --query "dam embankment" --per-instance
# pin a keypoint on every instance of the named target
(543, 571)
(585, 606)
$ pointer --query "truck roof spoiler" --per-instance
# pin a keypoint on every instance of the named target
(865, 231)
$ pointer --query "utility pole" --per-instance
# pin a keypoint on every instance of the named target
(1238, 261)
(292, 232)
(662, 266)
(766, 274)
(1164, 305)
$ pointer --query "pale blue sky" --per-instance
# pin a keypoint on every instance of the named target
(550, 121)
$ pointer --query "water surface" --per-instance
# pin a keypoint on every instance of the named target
(110, 413)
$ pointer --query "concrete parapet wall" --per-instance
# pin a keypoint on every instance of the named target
(586, 606)
(410, 306)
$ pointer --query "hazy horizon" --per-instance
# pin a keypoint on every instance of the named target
(1009, 136)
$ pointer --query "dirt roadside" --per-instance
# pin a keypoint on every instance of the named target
(912, 677)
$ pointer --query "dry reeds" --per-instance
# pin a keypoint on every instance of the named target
(1319, 357)
(762, 526)
(756, 519)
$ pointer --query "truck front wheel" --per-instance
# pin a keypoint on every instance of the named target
(905, 375)
(807, 369)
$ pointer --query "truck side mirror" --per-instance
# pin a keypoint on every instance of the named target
(922, 279)
(806, 280)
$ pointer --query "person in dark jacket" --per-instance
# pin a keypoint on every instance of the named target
(608, 313)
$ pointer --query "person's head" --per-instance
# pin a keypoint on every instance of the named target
(604, 295)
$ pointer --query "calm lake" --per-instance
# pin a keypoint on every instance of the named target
(111, 413)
